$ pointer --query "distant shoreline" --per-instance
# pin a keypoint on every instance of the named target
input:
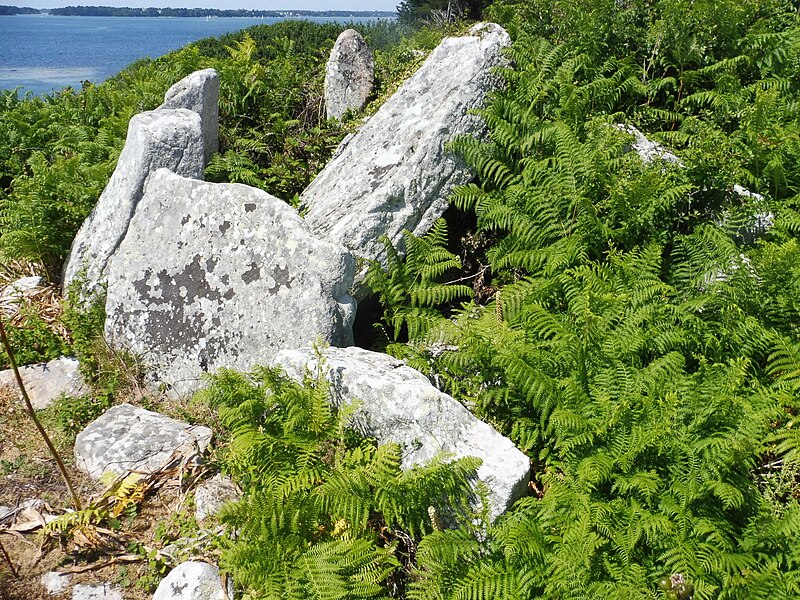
(108, 11)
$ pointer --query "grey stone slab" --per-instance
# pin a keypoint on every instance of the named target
(199, 92)
(395, 172)
(215, 275)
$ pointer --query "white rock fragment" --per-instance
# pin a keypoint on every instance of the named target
(213, 494)
(96, 592)
(55, 583)
(193, 581)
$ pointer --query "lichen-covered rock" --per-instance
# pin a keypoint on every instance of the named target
(46, 382)
(395, 172)
(127, 437)
(212, 495)
(215, 275)
(199, 92)
(398, 404)
(193, 580)
(162, 138)
(349, 74)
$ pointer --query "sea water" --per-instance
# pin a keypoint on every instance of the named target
(44, 53)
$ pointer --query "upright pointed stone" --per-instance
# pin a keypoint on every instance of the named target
(161, 138)
(199, 92)
(349, 74)
(396, 173)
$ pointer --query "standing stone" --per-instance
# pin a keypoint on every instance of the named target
(398, 404)
(214, 275)
(199, 92)
(395, 173)
(127, 437)
(193, 580)
(160, 138)
(46, 382)
(349, 74)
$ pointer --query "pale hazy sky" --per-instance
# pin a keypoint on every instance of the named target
(253, 4)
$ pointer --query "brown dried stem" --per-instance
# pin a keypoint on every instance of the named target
(8, 560)
(32, 413)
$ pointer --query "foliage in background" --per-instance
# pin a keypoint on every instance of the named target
(641, 346)
(58, 151)
(325, 514)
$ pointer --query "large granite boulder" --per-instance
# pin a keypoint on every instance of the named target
(162, 138)
(193, 580)
(199, 92)
(129, 438)
(395, 173)
(349, 74)
(46, 382)
(398, 404)
(215, 275)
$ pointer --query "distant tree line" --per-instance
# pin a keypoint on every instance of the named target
(15, 10)
(440, 11)
(109, 11)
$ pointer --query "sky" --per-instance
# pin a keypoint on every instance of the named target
(232, 4)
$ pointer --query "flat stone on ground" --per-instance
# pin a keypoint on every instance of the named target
(46, 382)
(127, 437)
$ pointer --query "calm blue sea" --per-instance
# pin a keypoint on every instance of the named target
(42, 53)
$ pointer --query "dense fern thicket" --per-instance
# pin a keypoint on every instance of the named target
(325, 514)
(640, 340)
(57, 152)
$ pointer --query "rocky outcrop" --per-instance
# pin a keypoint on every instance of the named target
(47, 382)
(222, 275)
(395, 173)
(128, 438)
(199, 92)
(163, 138)
(349, 74)
(398, 404)
(213, 494)
(193, 580)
